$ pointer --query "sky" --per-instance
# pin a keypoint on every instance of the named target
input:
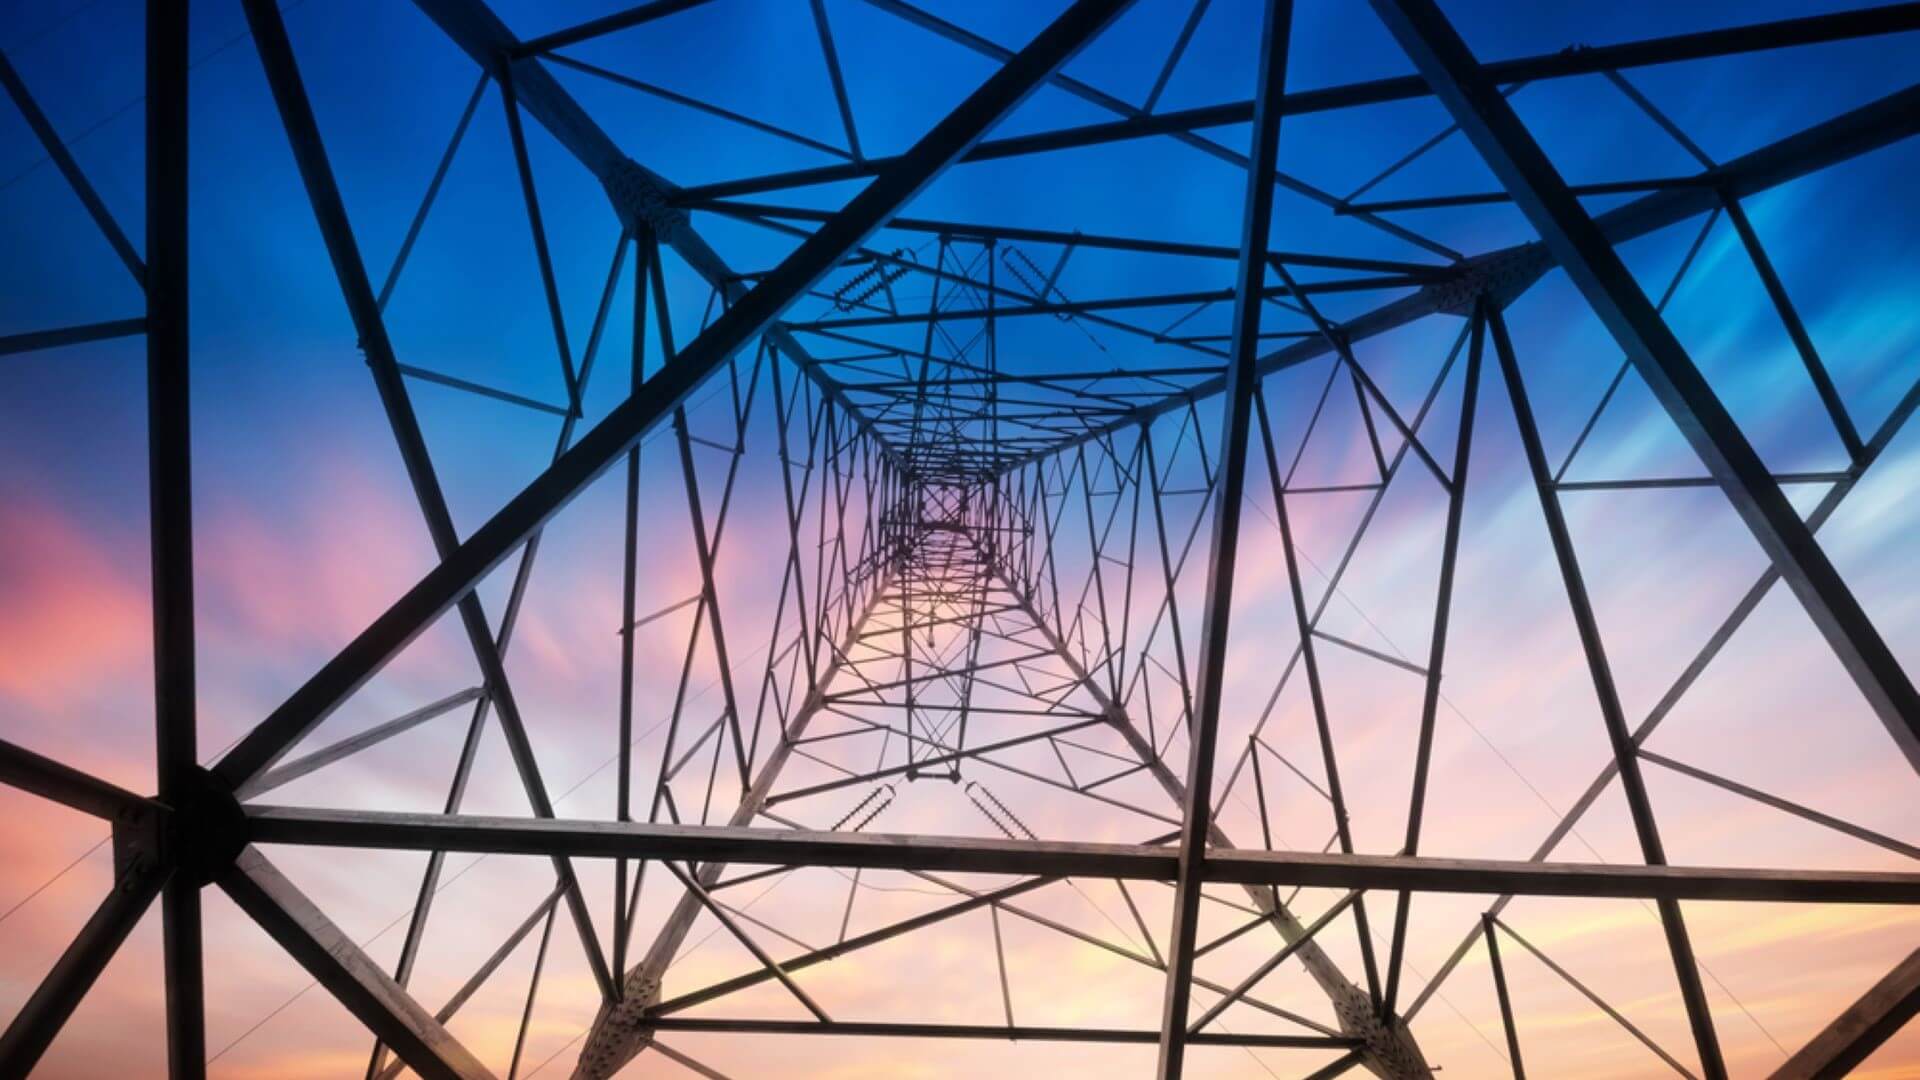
(305, 528)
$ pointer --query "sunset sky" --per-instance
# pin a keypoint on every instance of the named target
(306, 529)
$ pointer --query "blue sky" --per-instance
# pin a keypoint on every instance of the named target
(307, 529)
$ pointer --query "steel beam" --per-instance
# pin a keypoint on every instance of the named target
(1119, 303)
(41, 775)
(953, 450)
(1730, 41)
(606, 24)
(542, 911)
(1858, 1031)
(464, 763)
(1883, 436)
(355, 743)
(1582, 248)
(1077, 1034)
(170, 501)
(611, 1042)
(618, 1033)
(35, 340)
(639, 194)
(1236, 427)
(1312, 957)
(463, 568)
(46, 1011)
(62, 159)
(303, 132)
(351, 976)
(1607, 697)
(1506, 1001)
(1796, 329)
(1509, 271)
(1437, 643)
(1144, 245)
(1087, 92)
(797, 847)
(1618, 1017)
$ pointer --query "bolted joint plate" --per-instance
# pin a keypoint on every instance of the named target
(1501, 275)
(641, 197)
(209, 829)
(1386, 1046)
(621, 1031)
(140, 842)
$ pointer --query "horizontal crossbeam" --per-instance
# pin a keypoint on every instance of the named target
(1139, 862)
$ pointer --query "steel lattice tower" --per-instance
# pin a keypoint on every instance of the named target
(1008, 591)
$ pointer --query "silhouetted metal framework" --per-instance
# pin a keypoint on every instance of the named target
(939, 513)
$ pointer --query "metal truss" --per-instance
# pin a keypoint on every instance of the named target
(992, 578)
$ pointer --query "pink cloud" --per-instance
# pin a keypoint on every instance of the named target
(74, 609)
(305, 573)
